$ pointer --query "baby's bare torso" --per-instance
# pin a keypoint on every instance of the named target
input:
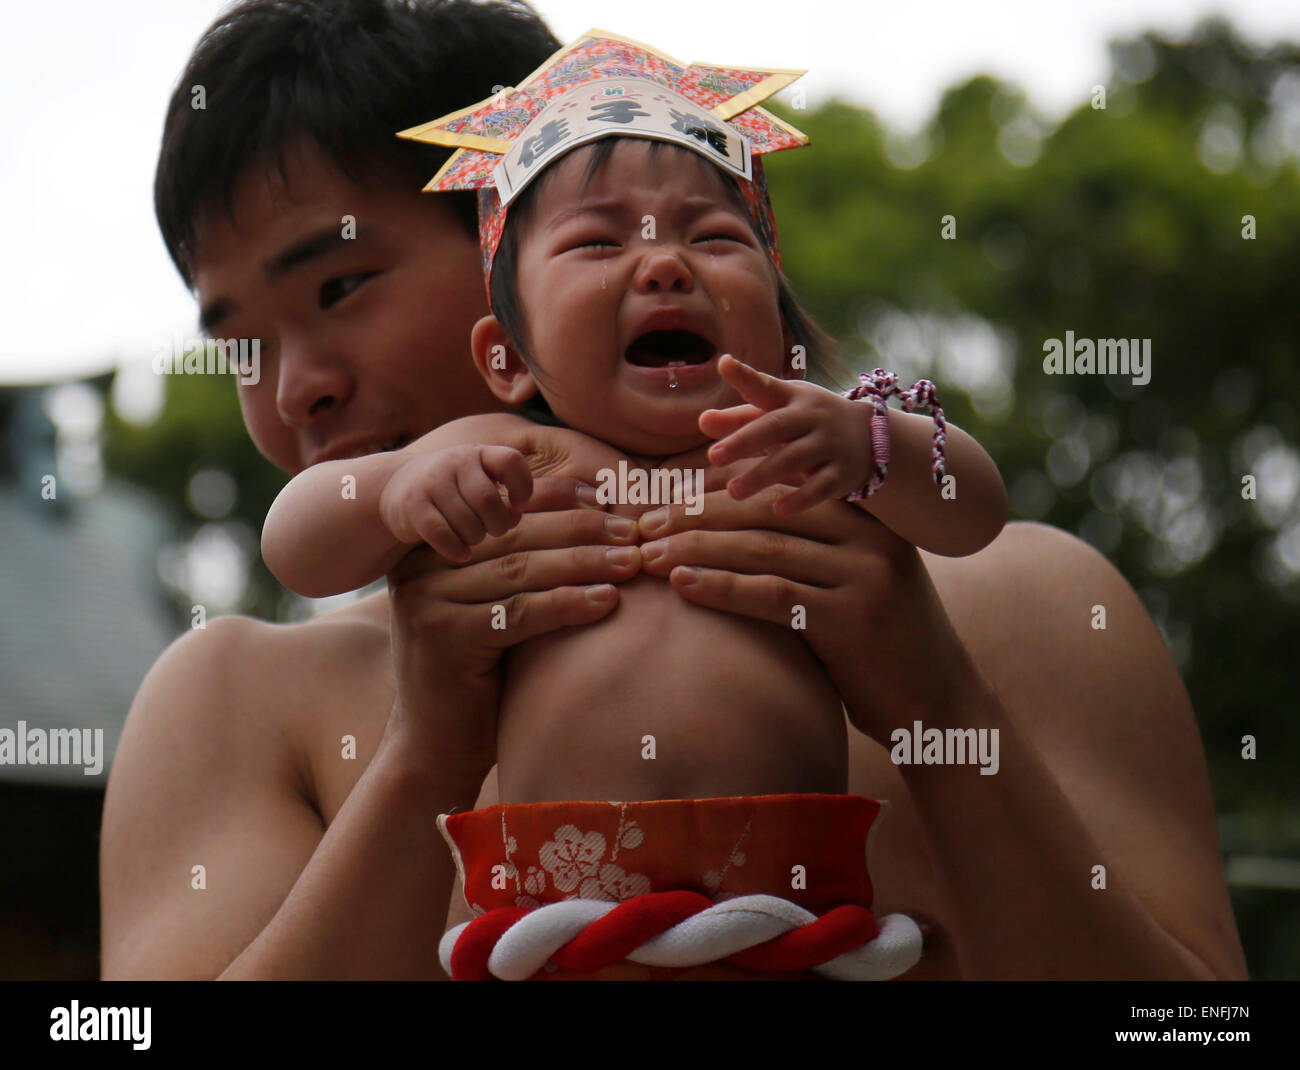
(664, 699)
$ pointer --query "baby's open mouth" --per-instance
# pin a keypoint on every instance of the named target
(659, 349)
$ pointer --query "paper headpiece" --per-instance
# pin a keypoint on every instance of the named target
(604, 85)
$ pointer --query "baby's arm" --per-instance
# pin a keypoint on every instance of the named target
(342, 524)
(821, 442)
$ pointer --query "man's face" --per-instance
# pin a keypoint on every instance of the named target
(365, 339)
(626, 321)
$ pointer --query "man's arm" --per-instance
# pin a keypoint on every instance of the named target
(204, 776)
(1100, 760)
(1100, 765)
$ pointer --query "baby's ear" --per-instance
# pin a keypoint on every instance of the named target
(500, 363)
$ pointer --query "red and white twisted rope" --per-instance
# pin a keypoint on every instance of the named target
(681, 929)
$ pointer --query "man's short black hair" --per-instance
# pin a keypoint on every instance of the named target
(344, 75)
(823, 363)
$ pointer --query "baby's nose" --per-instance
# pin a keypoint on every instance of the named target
(663, 270)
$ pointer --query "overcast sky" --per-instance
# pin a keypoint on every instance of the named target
(85, 278)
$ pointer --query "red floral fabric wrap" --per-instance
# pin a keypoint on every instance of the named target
(808, 849)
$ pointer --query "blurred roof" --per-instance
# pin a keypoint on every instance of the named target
(82, 616)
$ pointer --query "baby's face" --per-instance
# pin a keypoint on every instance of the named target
(633, 286)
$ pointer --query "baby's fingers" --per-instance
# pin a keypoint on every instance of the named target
(718, 423)
(458, 517)
(821, 486)
(483, 498)
(433, 529)
(508, 466)
(787, 465)
(760, 437)
(765, 391)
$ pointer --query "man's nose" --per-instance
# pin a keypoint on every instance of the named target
(309, 381)
(662, 269)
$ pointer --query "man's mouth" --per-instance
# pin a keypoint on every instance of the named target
(674, 348)
(346, 453)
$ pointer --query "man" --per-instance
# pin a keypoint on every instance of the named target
(317, 865)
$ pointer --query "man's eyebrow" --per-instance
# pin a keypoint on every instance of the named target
(315, 245)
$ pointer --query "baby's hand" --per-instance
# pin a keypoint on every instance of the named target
(450, 500)
(812, 438)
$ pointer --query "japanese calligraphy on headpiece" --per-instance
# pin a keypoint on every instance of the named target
(631, 107)
(603, 85)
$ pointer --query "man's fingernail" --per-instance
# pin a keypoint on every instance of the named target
(621, 555)
(656, 518)
(686, 575)
(586, 494)
(650, 551)
(623, 527)
(602, 592)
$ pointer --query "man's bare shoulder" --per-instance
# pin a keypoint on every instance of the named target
(264, 688)
(215, 781)
(1045, 614)
(1077, 661)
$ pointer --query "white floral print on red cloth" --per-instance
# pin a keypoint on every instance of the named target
(575, 862)
(525, 855)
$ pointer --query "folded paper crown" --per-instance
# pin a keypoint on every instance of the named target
(604, 85)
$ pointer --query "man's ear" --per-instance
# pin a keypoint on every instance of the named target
(499, 362)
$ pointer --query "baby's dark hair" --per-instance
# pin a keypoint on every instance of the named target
(343, 76)
(819, 348)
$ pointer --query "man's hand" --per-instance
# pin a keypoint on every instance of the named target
(872, 615)
(555, 568)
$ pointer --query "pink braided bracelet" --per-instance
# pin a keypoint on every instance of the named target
(877, 387)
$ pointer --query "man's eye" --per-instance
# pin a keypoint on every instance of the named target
(336, 289)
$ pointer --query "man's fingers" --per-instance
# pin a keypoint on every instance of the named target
(770, 598)
(503, 577)
(831, 522)
(533, 613)
(553, 531)
(750, 552)
(554, 492)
